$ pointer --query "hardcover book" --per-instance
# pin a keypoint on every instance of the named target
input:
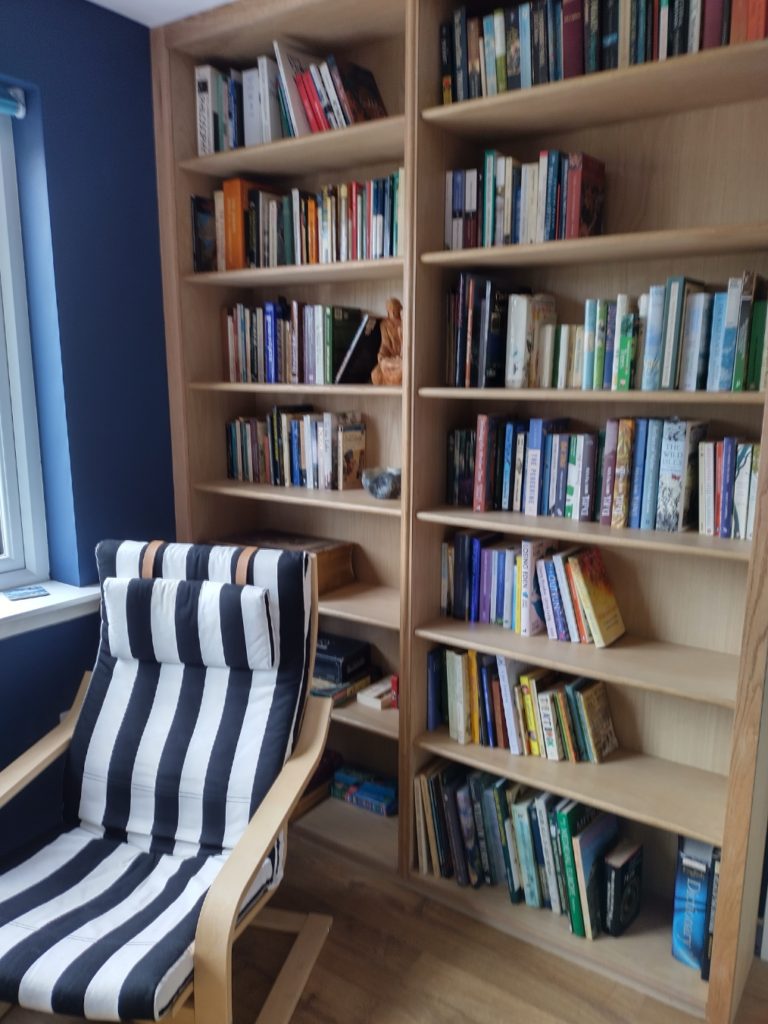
(589, 845)
(692, 881)
(623, 867)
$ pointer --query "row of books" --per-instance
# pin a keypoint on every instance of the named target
(550, 853)
(291, 94)
(284, 342)
(246, 224)
(507, 202)
(647, 474)
(532, 712)
(549, 40)
(297, 447)
(529, 588)
(365, 789)
(683, 335)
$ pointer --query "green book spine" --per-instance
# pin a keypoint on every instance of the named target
(756, 344)
(601, 324)
(500, 803)
(569, 822)
(626, 351)
(287, 212)
(489, 196)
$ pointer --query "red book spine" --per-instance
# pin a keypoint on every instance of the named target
(580, 624)
(573, 199)
(739, 10)
(573, 38)
(308, 110)
(711, 24)
(314, 99)
(481, 468)
(757, 19)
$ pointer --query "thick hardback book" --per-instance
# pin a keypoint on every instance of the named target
(677, 501)
(571, 819)
(692, 883)
(589, 845)
(333, 558)
(339, 657)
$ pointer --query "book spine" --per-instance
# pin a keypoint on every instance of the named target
(546, 600)
(727, 487)
(549, 859)
(571, 881)
(638, 473)
(609, 469)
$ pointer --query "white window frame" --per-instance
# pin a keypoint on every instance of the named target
(22, 509)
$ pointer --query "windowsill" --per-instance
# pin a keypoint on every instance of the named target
(62, 603)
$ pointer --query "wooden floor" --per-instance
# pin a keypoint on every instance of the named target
(394, 957)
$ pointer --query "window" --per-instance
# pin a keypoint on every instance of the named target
(23, 543)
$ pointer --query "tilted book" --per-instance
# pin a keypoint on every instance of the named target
(596, 595)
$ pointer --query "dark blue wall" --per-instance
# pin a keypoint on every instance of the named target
(89, 218)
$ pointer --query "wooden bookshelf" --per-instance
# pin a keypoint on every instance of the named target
(686, 195)
(641, 953)
(382, 723)
(343, 501)
(571, 532)
(691, 82)
(357, 833)
(650, 790)
(671, 669)
(309, 274)
(622, 246)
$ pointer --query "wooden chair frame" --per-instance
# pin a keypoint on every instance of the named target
(207, 999)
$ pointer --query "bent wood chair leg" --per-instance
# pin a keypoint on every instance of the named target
(311, 932)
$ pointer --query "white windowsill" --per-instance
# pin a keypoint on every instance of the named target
(62, 603)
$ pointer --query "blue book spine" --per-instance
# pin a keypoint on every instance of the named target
(533, 456)
(509, 447)
(525, 852)
(545, 470)
(550, 212)
(487, 706)
(295, 454)
(561, 623)
(610, 346)
(726, 493)
(270, 342)
(474, 584)
(654, 337)
(689, 918)
(526, 73)
(435, 660)
(730, 335)
(538, 851)
(651, 475)
(558, 46)
(716, 335)
(499, 595)
(638, 473)
(563, 180)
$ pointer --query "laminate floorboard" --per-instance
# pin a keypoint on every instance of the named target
(396, 957)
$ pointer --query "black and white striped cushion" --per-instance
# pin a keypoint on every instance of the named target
(192, 709)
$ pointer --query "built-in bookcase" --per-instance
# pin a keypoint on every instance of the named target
(685, 147)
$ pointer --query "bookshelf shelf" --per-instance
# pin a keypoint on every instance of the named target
(709, 79)
(364, 602)
(671, 669)
(693, 544)
(650, 790)
(642, 953)
(313, 273)
(342, 390)
(342, 501)
(357, 145)
(352, 831)
(383, 723)
(601, 249)
(689, 399)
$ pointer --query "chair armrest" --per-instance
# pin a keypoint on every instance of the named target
(40, 755)
(218, 917)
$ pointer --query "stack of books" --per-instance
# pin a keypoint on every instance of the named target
(365, 789)
(548, 40)
(529, 588)
(297, 447)
(294, 342)
(507, 202)
(291, 94)
(642, 473)
(342, 667)
(531, 712)
(682, 334)
(551, 853)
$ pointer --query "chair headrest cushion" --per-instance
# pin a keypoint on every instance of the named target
(189, 622)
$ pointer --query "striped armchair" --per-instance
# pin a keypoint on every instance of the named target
(185, 754)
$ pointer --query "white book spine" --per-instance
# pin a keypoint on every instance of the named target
(330, 90)
(549, 860)
(204, 86)
(577, 366)
(565, 597)
(694, 26)
(541, 197)
(517, 494)
(564, 356)
(508, 700)
(252, 129)
(519, 341)
(753, 484)
(741, 491)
